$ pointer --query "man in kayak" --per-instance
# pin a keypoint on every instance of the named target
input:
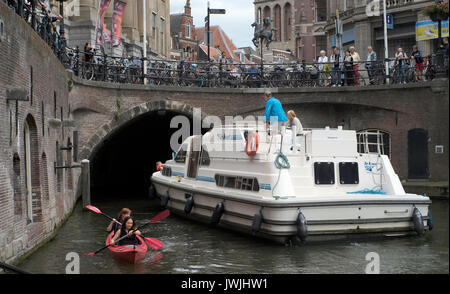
(113, 225)
(128, 228)
(274, 113)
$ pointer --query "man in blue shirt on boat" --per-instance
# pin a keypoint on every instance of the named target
(274, 113)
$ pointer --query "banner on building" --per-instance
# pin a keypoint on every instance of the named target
(101, 33)
(428, 30)
(119, 8)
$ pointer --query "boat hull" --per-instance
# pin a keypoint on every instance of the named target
(326, 217)
(128, 253)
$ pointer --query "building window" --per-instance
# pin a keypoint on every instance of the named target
(162, 29)
(154, 25)
(188, 30)
(237, 182)
(374, 141)
(321, 10)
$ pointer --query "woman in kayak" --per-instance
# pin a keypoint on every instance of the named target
(113, 225)
(128, 228)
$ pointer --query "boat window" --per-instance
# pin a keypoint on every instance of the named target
(166, 171)
(324, 173)
(181, 155)
(348, 173)
(237, 182)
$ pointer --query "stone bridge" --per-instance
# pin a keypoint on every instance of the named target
(125, 129)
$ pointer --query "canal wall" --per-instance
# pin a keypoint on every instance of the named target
(34, 126)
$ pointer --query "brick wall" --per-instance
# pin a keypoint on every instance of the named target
(26, 61)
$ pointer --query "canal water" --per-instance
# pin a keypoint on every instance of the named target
(194, 248)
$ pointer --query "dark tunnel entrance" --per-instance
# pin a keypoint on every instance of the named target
(124, 162)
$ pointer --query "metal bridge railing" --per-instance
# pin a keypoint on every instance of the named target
(130, 70)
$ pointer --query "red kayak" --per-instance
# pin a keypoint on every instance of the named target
(128, 253)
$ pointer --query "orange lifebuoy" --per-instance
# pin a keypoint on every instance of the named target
(251, 147)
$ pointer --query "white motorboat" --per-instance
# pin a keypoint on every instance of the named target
(288, 187)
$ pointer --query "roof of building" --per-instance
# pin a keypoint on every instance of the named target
(219, 40)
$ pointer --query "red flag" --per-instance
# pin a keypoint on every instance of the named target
(119, 8)
(100, 30)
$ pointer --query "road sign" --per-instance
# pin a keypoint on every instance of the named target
(390, 21)
(217, 11)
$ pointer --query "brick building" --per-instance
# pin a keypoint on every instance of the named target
(220, 42)
(35, 135)
(300, 25)
(182, 32)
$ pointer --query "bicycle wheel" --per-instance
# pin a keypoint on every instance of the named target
(88, 71)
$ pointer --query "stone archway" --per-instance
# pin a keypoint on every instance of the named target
(124, 151)
(108, 129)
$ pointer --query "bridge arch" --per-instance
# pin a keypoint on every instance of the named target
(124, 151)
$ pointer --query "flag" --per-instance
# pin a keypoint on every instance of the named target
(101, 33)
(119, 8)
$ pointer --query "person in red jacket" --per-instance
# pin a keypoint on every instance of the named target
(159, 166)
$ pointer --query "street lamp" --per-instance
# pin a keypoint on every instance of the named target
(62, 38)
(210, 11)
(144, 51)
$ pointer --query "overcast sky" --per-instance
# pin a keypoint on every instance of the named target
(236, 23)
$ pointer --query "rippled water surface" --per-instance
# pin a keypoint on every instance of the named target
(191, 247)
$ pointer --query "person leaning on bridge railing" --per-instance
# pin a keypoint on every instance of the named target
(338, 62)
(400, 64)
(416, 57)
(322, 60)
(356, 60)
(371, 64)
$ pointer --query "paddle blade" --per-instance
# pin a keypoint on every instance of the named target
(154, 243)
(89, 254)
(93, 208)
(160, 216)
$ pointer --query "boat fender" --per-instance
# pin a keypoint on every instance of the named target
(252, 144)
(418, 222)
(302, 227)
(189, 204)
(151, 192)
(257, 220)
(165, 199)
(430, 220)
(217, 213)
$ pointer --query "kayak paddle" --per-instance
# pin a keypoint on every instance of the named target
(153, 243)
(96, 210)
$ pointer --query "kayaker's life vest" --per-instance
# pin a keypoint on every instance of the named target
(132, 240)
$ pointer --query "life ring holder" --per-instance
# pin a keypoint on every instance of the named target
(252, 144)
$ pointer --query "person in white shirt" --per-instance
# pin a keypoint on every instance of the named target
(356, 60)
(296, 127)
(322, 60)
